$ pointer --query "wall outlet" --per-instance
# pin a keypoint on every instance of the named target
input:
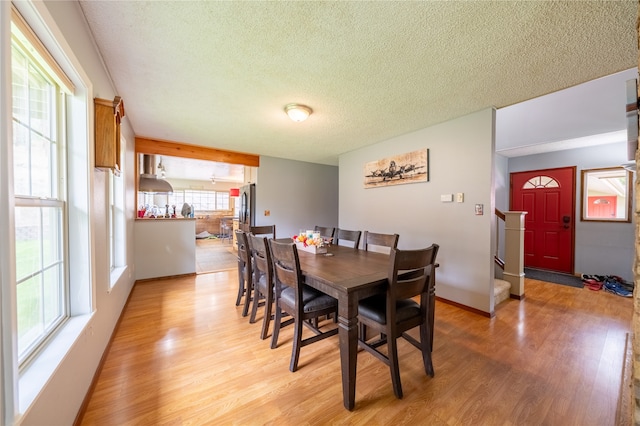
(446, 198)
(267, 212)
(459, 197)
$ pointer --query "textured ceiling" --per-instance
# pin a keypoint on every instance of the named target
(218, 74)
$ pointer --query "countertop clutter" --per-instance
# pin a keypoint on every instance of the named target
(157, 212)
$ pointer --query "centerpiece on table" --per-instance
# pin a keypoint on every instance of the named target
(311, 242)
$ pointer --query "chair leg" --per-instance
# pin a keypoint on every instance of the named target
(425, 347)
(276, 327)
(297, 339)
(247, 299)
(268, 302)
(256, 303)
(393, 364)
(362, 331)
(240, 284)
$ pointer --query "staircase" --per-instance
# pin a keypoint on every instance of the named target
(501, 290)
(509, 278)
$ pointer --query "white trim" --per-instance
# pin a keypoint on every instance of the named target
(8, 353)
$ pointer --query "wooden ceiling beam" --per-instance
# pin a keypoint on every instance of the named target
(177, 149)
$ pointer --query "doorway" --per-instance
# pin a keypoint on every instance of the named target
(549, 198)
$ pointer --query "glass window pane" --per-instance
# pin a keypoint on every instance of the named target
(52, 295)
(41, 167)
(21, 163)
(28, 234)
(19, 86)
(222, 200)
(30, 325)
(40, 102)
(51, 238)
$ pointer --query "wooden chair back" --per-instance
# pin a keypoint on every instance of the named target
(410, 272)
(263, 230)
(286, 265)
(325, 232)
(348, 238)
(380, 240)
(262, 263)
(243, 246)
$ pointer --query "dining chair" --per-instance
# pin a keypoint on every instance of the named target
(391, 315)
(325, 232)
(379, 240)
(349, 238)
(263, 230)
(245, 272)
(262, 281)
(295, 298)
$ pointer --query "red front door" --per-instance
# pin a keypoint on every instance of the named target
(548, 197)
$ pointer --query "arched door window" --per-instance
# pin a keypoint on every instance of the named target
(537, 182)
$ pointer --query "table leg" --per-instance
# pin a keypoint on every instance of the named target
(348, 333)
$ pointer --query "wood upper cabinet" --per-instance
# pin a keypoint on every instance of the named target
(107, 125)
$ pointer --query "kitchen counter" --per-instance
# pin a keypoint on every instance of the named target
(164, 247)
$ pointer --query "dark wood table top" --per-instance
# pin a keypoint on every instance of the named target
(345, 270)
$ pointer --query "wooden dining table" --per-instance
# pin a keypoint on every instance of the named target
(348, 275)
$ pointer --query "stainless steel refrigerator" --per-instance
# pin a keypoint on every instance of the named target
(247, 215)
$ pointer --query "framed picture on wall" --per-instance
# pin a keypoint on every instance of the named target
(411, 167)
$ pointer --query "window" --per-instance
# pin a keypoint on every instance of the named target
(38, 159)
(117, 241)
(606, 195)
(540, 182)
(201, 200)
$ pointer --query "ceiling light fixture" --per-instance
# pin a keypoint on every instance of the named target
(298, 112)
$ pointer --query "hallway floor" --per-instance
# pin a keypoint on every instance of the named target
(214, 255)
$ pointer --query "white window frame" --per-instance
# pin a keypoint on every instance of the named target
(49, 198)
(117, 220)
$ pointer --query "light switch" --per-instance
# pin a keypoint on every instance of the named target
(459, 197)
(446, 198)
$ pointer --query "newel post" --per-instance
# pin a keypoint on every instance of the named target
(514, 253)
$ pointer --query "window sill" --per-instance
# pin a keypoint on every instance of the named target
(36, 375)
(116, 274)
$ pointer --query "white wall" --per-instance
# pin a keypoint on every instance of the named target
(298, 195)
(164, 248)
(461, 159)
(600, 248)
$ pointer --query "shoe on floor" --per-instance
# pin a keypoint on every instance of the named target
(612, 286)
(592, 284)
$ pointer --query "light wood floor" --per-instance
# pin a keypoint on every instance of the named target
(213, 255)
(184, 355)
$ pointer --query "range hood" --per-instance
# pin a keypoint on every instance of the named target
(149, 182)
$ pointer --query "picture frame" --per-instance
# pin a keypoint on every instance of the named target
(412, 167)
